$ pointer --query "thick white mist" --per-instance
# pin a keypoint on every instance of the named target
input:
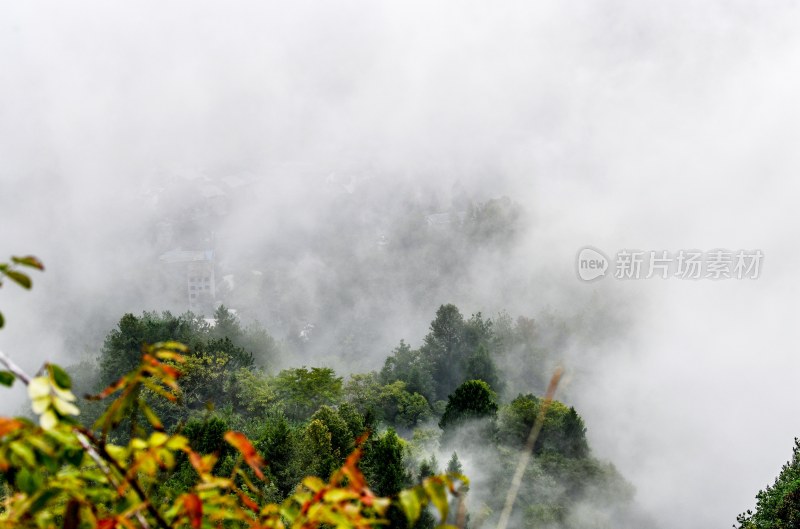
(650, 125)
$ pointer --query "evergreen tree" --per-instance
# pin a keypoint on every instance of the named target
(473, 399)
(443, 346)
(454, 465)
(778, 506)
(480, 366)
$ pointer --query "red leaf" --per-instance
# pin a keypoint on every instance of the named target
(194, 509)
(248, 501)
(239, 441)
(107, 523)
(197, 462)
(109, 390)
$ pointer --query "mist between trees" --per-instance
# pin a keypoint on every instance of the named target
(446, 405)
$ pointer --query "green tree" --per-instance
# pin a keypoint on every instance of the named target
(412, 409)
(356, 422)
(443, 345)
(318, 455)
(480, 366)
(473, 399)
(62, 474)
(342, 440)
(122, 348)
(386, 472)
(454, 465)
(413, 368)
(280, 443)
(778, 505)
(384, 465)
(255, 395)
(390, 403)
(563, 431)
(302, 390)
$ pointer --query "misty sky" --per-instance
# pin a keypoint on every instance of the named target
(616, 124)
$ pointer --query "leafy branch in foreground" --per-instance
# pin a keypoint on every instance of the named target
(59, 473)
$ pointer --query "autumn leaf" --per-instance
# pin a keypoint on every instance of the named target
(239, 441)
(9, 425)
(194, 509)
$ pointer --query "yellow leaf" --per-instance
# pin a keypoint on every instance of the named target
(158, 439)
(64, 394)
(339, 495)
(48, 420)
(117, 452)
(39, 387)
(65, 408)
(177, 442)
(41, 404)
(313, 483)
(437, 494)
(410, 503)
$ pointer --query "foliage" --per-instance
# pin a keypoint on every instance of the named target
(60, 473)
(562, 432)
(473, 399)
(179, 409)
(411, 367)
(12, 272)
(777, 506)
(454, 465)
(390, 403)
(302, 390)
(444, 345)
(454, 350)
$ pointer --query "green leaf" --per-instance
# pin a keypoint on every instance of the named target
(29, 261)
(19, 278)
(28, 481)
(24, 452)
(2, 320)
(51, 464)
(59, 376)
(150, 415)
(409, 501)
(438, 495)
(73, 457)
(42, 498)
(7, 377)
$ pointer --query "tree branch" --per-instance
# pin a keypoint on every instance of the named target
(14, 368)
(95, 449)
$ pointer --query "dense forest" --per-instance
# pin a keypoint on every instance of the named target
(438, 407)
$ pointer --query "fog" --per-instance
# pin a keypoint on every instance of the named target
(620, 125)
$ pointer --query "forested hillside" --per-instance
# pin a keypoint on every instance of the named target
(441, 405)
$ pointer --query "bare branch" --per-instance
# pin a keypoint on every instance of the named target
(14, 368)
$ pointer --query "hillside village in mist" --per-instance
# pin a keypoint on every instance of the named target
(336, 282)
(365, 216)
